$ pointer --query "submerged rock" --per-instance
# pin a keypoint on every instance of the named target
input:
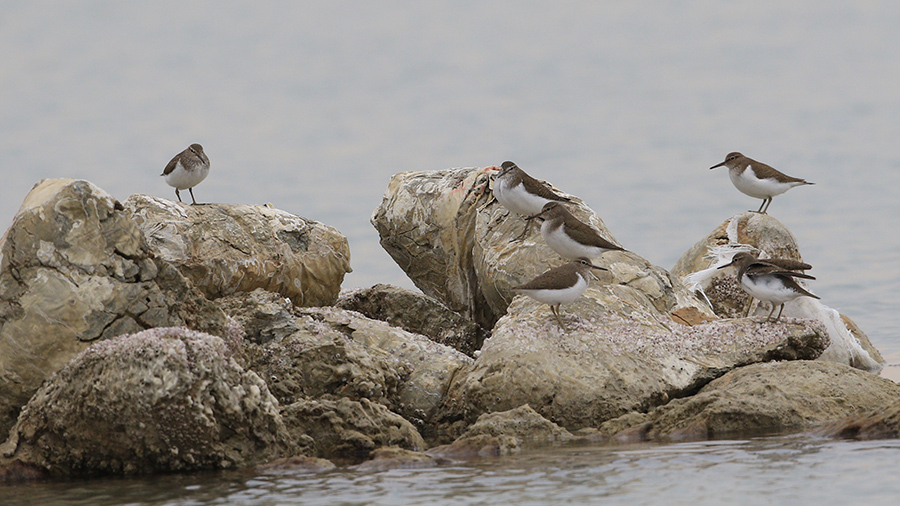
(75, 269)
(350, 430)
(229, 248)
(522, 423)
(162, 400)
(384, 459)
(761, 398)
(417, 313)
(880, 423)
(765, 235)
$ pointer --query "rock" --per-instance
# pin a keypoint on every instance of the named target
(477, 446)
(880, 423)
(229, 248)
(612, 362)
(333, 351)
(296, 464)
(74, 269)
(350, 430)
(162, 400)
(457, 246)
(762, 233)
(417, 313)
(522, 423)
(384, 459)
(761, 398)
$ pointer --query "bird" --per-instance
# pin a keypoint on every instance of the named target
(569, 236)
(521, 193)
(770, 279)
(560, 285)
(758, 179)
(186, 170)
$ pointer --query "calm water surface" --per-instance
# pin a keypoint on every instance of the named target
(312, 106)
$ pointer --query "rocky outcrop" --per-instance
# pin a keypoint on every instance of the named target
(761, 398)
(766, 236)
(75, 269)
(880, 423)
(522, 423)
(312, 352)
(348, 430)
(417, 313)
(229, 248)
(161, 400)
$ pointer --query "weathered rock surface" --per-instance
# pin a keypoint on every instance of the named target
(229, 248)
(384, 459)
(769, 238)
(476, 446)
(611, 362)
(350, 430)
(456, 244)
(762, 398)
(162, 400)
(880, 423)
(522, 423)
(417, 313)
(296, 464)
(74, 268)
(311, 352)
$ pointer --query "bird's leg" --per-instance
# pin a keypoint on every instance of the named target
(178, 195)
(524, 232)
(766, 201)
(558, 320)
(192, 196)
(779, 312)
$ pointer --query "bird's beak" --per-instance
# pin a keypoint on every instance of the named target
(538, 215)
(600, 268)
(717, 166)
(729, 264)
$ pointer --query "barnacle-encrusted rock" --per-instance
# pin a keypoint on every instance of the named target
(162, 400)
(74, 268)
(229, 248)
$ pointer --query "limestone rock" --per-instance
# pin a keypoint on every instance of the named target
(611, 362)
(74, 268)
(476, 446)
(296, 464)
(456, 244)
(523, 423)
(332, 351)
(762, 398)
(229, 248)
(350, 430)
(162, 400)
(765, 235)
(417, 313)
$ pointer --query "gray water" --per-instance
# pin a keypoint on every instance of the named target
(312, 106)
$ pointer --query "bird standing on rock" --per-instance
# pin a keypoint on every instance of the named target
(758, 179)
(521, 193)
(187, 170)
(569, 236)
(771, 279)
(560, 285)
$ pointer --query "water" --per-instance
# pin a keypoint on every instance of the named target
(312, 106)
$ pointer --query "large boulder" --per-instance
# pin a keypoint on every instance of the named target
(162, 400)
(616, 358)
(75, 269)
(459, 245)
(762, 398)
(229, 248)
(769, 238)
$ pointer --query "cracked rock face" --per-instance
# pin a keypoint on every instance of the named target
(161, 400)
(230, 248)
(75, 269)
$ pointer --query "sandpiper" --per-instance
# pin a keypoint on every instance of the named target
(187, 170)
(521, 193)
(771, 279)
(569, 236)
(758, 179)
(560, 285)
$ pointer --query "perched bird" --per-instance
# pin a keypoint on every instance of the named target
(758, 179)
(569, 236)
(560, 285)
(771, 279)
(521, 193)
(187, 170)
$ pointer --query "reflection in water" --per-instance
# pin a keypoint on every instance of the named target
(779, 470)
